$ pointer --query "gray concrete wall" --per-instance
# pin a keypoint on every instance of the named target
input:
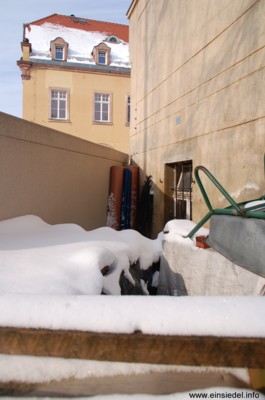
(197, 86)
(58, 177)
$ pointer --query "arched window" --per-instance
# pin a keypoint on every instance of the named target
(112, 39)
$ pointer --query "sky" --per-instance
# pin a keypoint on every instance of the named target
(14, 13)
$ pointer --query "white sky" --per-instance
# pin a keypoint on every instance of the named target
(16, 12)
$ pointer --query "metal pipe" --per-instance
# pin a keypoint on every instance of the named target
(234, 209)
(218, 185)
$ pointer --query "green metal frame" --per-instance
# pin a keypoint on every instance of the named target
(235, 209)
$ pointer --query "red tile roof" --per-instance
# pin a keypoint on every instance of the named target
(71, 21)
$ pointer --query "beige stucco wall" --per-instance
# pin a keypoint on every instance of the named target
(81, 86)
(197, 89)
(56, 176)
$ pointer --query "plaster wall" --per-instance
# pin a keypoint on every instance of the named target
(197, 86)
(81, 86)
(60, 178)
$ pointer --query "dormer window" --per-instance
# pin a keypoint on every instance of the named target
(112, 39)
(59, 49)
(101, 54)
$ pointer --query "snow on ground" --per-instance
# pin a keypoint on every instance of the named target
(38, 258)
(50, 278)
(50, 274)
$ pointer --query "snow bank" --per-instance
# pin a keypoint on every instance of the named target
(38, 258)
(50, 274)
(49, 278)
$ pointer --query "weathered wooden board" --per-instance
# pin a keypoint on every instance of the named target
(136, 347)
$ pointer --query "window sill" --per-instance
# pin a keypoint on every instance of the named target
(58, 120)
(102, 65)
(102, 123)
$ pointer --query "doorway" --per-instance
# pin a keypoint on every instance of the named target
(178, 191)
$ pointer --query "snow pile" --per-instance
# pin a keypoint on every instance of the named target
(81, 44)
(176, 229)
(38, 258)
(64, 262)
(49, 278)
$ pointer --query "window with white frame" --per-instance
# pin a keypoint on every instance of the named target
(128, 110)
(102, 57)
(59, 53)
(102, 107)
(59, 104)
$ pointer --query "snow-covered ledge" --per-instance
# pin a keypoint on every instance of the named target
(216, 331)
(156, 315)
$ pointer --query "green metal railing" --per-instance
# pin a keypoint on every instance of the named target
(235, 209)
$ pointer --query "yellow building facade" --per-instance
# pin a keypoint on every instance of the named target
(82, 91)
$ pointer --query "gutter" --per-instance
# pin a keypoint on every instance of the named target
(131, 8)
(78, 66)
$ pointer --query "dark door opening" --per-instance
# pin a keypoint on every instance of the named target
(178, 191)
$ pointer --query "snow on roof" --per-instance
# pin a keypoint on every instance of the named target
(81, 37)
(84, 24)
